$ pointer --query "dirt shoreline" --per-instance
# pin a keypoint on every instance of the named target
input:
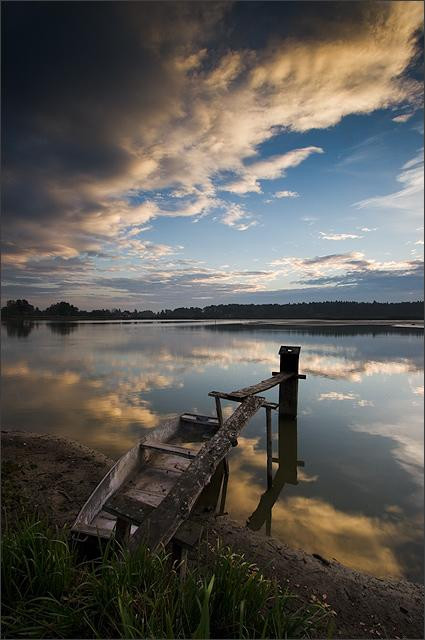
(54, 476)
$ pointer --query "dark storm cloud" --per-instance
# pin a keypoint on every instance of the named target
(77, 79)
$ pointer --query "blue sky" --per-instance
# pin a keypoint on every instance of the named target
(167, 154)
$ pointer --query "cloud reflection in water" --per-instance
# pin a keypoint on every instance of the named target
(359, 425)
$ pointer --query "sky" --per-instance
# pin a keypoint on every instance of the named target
(165, 154)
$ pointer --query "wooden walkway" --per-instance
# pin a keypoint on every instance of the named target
(161, 524)
(157, 522)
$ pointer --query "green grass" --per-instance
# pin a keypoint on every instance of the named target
(47, 592)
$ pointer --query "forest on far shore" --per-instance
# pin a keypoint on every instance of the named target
(16, 309)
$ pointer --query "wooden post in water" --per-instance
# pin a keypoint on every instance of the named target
(287, 443)
(288, 391)
(269, 444)
(288, 405)
(219, 411)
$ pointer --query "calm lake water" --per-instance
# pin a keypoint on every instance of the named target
(356, 492)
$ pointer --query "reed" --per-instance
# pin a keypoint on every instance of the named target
(47, 592)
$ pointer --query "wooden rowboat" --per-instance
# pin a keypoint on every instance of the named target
(151, 491)
(143, 477)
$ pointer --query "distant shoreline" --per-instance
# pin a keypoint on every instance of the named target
(411, 323)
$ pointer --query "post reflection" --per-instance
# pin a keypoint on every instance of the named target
(287, 440)
(286, 473)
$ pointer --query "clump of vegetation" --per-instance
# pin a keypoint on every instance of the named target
(48, 592)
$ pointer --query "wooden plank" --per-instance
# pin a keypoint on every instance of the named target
(300, 463)
(262, 386)
(301, 376)
(188, 534)
(230, 396)
(168, 448)
(194, 417)
(90, 530)
(153, 484)
(162, 524)
(146, 497)
(127, 508)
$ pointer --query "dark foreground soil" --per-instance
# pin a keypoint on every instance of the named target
(44, 474)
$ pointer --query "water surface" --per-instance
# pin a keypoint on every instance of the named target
(348, 481)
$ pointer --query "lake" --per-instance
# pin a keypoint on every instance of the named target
(349, 473)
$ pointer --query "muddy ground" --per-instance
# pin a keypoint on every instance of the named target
(48, 475)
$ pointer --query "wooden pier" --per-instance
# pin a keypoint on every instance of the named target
(287, 379)
(127, 507)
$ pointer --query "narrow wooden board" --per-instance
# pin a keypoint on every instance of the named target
(261, 386)
(300, 376)
(195, 417)
(151, 486)
(146, 497)
(123, 506)
(189, 534)
(230, 396)
(91, 530)
(175, 508)
(163, 447)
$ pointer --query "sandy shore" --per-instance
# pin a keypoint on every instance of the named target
(53, 476)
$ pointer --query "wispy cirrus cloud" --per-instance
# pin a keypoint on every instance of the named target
(403, 117)
(410, 197)
(354, 270)
(286, 194)
(339, 236)
(269, 169)
(320, 265)
(237, 217)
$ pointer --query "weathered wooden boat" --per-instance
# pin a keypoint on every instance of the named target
(152, 489)
(143, 477)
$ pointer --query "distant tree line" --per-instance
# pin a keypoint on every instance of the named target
(308, 310)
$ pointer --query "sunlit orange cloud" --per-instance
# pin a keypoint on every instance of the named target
(93, 415)
(111, 406)
(22, 370)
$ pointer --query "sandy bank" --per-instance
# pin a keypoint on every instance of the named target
(54, 476)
